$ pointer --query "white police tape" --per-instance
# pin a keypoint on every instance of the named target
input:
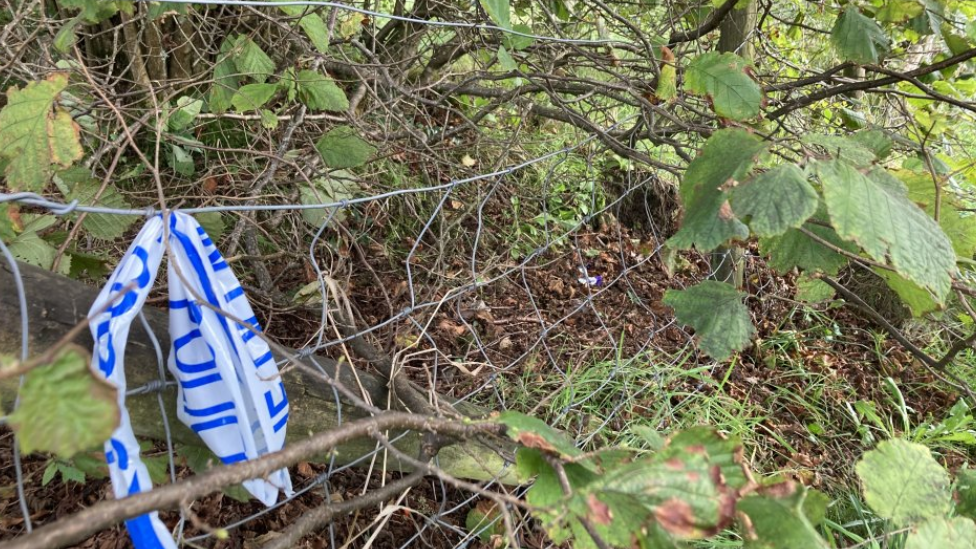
(229, 390)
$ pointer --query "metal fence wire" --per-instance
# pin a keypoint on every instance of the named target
(527, 277)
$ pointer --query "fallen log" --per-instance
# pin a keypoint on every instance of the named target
(55, 304)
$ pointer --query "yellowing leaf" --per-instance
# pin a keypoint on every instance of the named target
(65, 407)
(36, 134)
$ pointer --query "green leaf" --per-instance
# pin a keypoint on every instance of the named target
(904, 483)
(957, 533)
(49, 472)
(66, 36)
(779, 522)
(186, 111)
(725, 78)
(313, 25)
(65, 407)
(532, 432)
(212, 223)
(959, 226)
(505, 60)
(726, 157)
(793, 249)
(918, 300)
(811, 290)
(966, 493)
(775, 201)
(30, 248)
(181, 160)
(320, 93)
(337, 187)
(251, 97)
(71, 473)
(725, 453)
(158, 467)
(896, 11)
(499, 11)
(874, 211)
(485, 520)
(844, 148)
(667, 82)
(77, 184)
(341, 147)
(36, 134)
(517, 42)
(269, 119)
(716, 311)
(96, 11)
(251, 60)
(225, 78)
(858, 38)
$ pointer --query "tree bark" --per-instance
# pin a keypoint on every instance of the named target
(55, 304)
(736, 29)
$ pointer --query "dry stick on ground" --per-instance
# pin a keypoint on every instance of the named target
(936, 367)
(103, 515)
(313, 520)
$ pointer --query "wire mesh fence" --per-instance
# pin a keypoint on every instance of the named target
(501, 266)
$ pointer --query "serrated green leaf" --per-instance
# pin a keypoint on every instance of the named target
(812, 290)
(725, 453)
(775, 201)
(499, 11)
(30, 248)
(959, 226)
(77, 184)
(727, 156)
(64, 406)
(858, 38)
(181, 160)
(966, 493)
(896, 11)
(312, 23)
(68, 472)
(251, 61)
(212, 223)
(269, 119)
(843, 148)
(186, 110)
(36, 135)
(320, 93)
(251, 97)
(918, 300)
(779, 522)
(793, 249)
(874, 211)
(517, 42)
(225, 78)
(532, 432)
(66, 37)
(96, 11)
(876, 141)
(342, 147)
(337, 187)
(724, 77)
(716, 311)
(903, 482)
(957, 533)
(505, 60)
(49, 472)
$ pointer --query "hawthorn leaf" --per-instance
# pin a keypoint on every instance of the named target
(320, 93)
(251, 97)
(724, 77)
(717, 313)
(251, 61)
(36, 135)
(341, 147)
(957, 532)
(874, 211)
(65, 407)
(904, 483)
(858, 38)
(775, 201)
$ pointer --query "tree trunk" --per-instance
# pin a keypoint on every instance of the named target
(736, 30)
(55, 304)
